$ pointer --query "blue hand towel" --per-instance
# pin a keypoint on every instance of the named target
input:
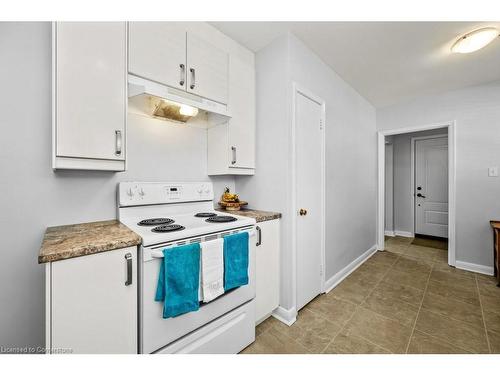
(235, 260)
(179, 280)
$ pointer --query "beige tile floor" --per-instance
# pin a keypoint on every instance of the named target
(403, 300)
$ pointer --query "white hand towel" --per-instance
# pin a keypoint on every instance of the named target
(212, 269)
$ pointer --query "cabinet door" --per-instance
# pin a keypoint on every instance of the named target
(242, 108)
(157, 51)
(92, 310)
(207, 73)
(267, 269)
(90, 89)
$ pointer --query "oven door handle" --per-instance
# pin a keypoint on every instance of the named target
(158, 254)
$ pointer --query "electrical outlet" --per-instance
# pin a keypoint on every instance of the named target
(493, 172)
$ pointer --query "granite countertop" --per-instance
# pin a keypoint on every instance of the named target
(258, 215)
(70, 241)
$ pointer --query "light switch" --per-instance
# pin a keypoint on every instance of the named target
(493, 172)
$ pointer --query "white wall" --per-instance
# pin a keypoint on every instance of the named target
(34, 197)
(477, 114)
(403, 221)
(350, 154)
(350, 165)
(267, 190)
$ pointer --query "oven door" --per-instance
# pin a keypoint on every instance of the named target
(156, 332)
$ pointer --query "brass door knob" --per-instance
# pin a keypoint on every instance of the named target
(302, 212)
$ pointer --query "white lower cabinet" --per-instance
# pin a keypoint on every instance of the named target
(91, 303)
(267, 292)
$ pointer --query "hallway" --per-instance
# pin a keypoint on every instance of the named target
(404, 300)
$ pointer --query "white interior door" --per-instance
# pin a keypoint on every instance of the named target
(431, 187)
(309, 197)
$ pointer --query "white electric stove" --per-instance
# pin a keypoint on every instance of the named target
(173, 214)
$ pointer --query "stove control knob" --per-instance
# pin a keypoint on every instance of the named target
(200, 190)
(207, 190)
(130, 192)
(142, 193)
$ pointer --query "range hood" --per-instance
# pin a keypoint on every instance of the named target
(173, 104)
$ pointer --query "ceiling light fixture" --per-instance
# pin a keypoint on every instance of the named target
(475, 40)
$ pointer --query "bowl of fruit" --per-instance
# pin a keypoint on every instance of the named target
(230, 201)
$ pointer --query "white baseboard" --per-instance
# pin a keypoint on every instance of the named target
(333, 281)
(389, 233)
(285, 316)
(257, 322)
(478, 268)
(402, 233)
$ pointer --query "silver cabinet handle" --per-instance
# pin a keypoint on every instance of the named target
(233, 150)
(118, 142)
(128, 258)
(259, 237)
(183, 74)
(193, 78)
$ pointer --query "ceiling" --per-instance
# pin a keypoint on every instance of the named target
(386, 62)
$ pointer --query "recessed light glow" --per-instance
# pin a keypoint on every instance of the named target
(475, 40)
(171, 110)
(187, 110)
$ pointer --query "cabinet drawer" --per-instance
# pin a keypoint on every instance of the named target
(227, 335)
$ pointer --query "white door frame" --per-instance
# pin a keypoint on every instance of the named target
(390, 231)
(412, 175)
(297, 89)
(451, 126)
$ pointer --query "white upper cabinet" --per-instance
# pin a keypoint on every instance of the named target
(207, 69)
(167, 53)
(242, 108)
(195, 58)
(89, 95)
(157, 51)
(231, 146)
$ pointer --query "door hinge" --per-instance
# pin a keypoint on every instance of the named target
(320, 124)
